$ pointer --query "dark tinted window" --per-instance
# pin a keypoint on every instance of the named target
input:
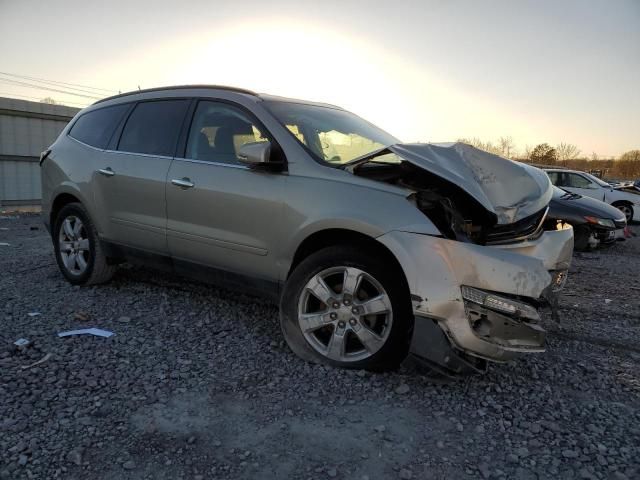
(153, 127)
(217, 132)
(96, 127)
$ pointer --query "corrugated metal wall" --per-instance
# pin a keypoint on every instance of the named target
(20, 183)
(26, 129)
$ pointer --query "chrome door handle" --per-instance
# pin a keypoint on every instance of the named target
(183, 182)
(107, 172)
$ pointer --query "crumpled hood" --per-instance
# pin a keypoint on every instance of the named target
(511, 190)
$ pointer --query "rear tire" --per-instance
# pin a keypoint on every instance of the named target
(626, 209)
(366, 321)
(77, 247)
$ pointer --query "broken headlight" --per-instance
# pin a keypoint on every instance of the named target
(499, 303)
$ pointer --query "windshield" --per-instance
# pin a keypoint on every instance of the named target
(600, 182)
(330, 134)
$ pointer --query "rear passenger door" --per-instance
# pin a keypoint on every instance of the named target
(130, 181)
(222, 213)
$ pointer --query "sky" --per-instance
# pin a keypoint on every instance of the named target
(426, 70)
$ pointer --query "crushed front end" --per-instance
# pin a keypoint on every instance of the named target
(477, 289)
(485, 300)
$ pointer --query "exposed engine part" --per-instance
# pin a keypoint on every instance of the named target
(452, 210)
(444, 215)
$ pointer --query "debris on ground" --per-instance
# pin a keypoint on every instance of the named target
(42, 360)
(87, 331)
(22, 343)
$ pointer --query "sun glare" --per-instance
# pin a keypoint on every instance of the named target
(297, 61)
(305, 61)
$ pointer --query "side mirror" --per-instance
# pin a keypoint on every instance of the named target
(255, 154)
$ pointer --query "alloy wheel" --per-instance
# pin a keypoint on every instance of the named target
(345, 314)
(74, 245)
(627, 211)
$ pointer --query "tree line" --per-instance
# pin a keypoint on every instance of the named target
(625, 167)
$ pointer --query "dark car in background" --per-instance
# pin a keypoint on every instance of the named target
(594, 222)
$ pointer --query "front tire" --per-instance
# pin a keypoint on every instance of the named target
(581, 235)
(347, 307)
(78, 251)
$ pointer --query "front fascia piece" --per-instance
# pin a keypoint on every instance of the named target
(436, 268)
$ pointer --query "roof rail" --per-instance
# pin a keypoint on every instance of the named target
(547, 167)
(177, 87)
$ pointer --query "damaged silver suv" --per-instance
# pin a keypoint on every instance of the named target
(373, 248)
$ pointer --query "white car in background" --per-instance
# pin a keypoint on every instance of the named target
(590, 186)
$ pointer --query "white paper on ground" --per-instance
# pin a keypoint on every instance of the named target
(34, 314)
(87, 331)
(3, 244)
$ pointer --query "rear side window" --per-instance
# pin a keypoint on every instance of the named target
(96, 127)
(153, 127)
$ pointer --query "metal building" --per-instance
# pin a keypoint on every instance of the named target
(26, 129)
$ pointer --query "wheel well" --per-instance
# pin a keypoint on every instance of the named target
(60, 201)
(338, 236)
(622, 202)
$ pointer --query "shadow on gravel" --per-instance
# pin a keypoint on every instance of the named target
(219, 431)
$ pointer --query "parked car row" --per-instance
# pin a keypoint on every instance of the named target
(594, 223)
(591, 186)
(372, 248)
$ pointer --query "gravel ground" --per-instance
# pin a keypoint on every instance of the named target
(197, 383)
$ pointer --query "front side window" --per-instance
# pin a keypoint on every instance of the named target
(334, 136)
(597, 180)
(578, 181)
(153, 127)
(96, 127)
(218, 131)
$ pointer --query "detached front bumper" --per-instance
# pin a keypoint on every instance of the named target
(518, 276)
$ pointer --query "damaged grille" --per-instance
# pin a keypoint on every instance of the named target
(528, 228)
